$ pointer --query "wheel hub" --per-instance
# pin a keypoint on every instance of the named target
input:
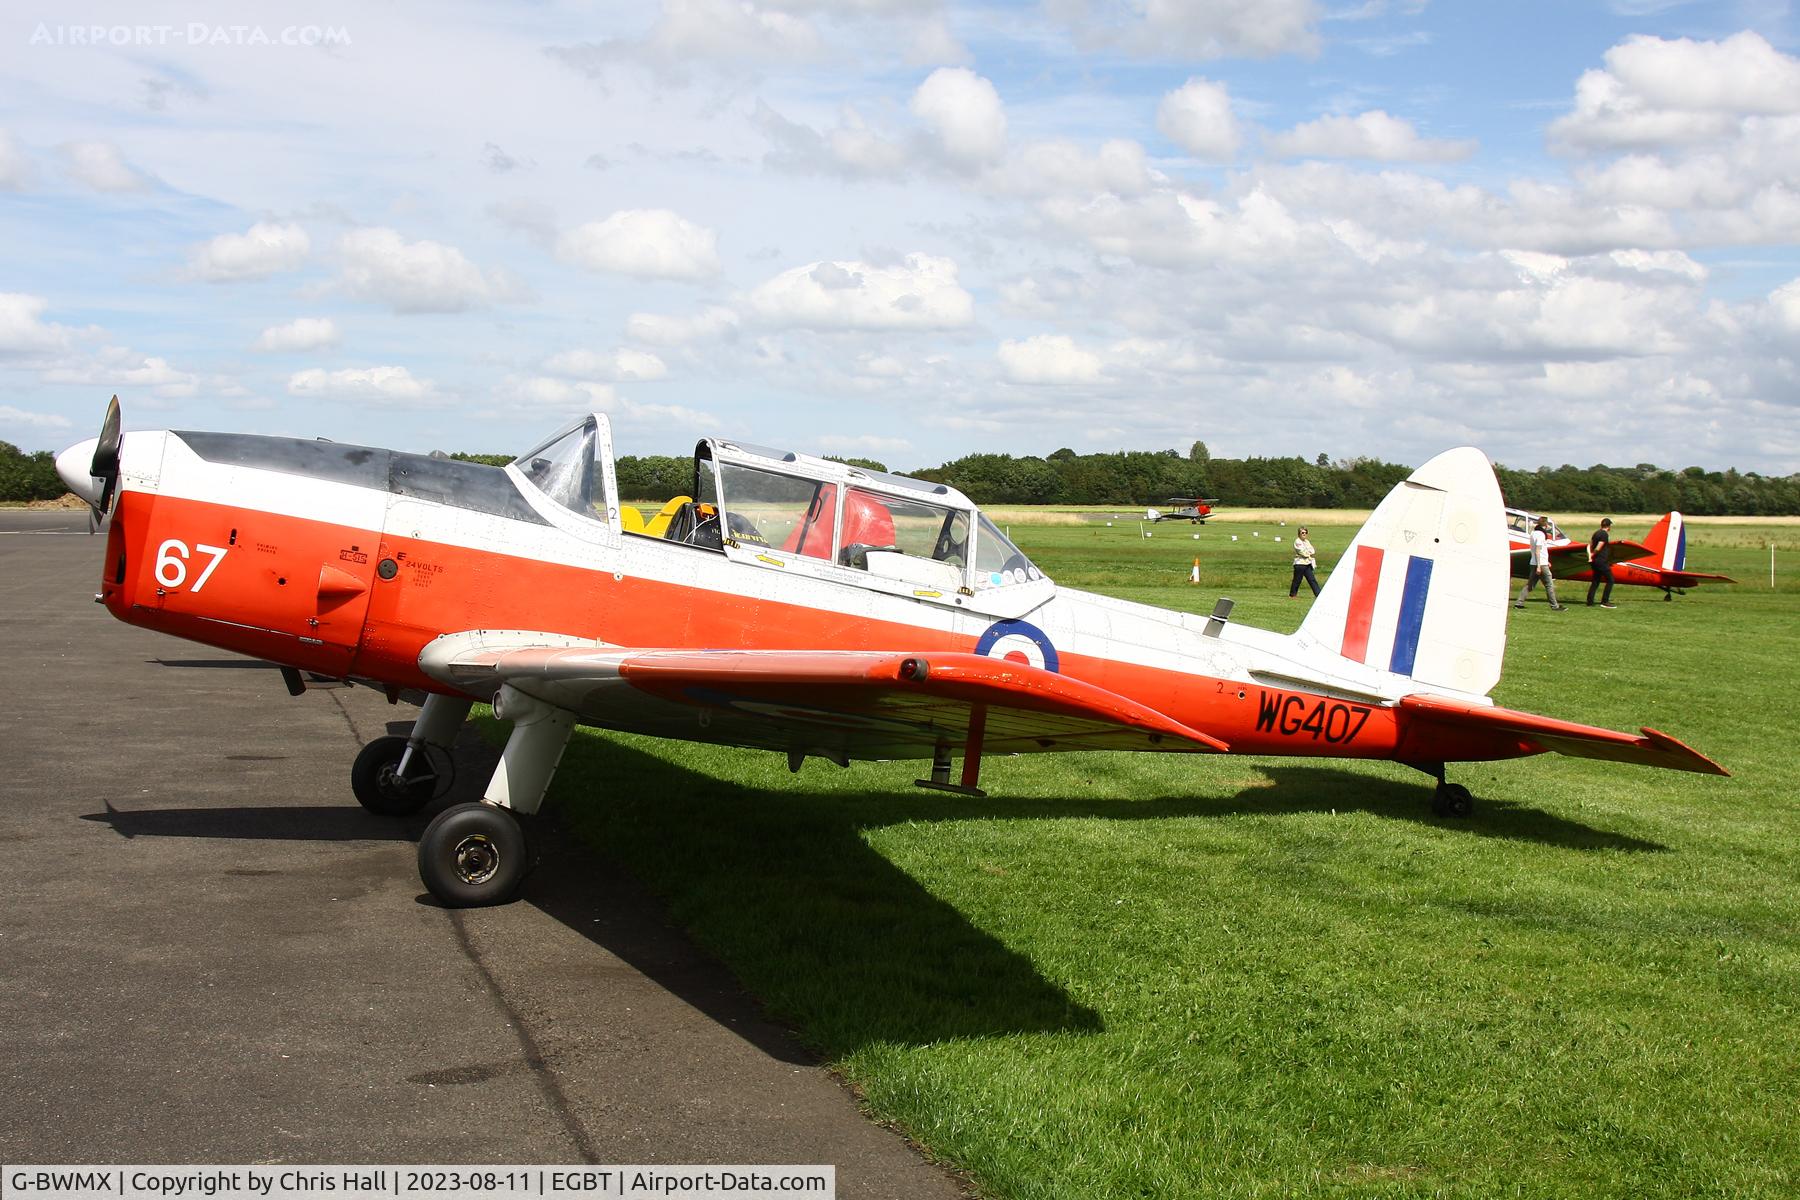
(476, 858)
(390, 781)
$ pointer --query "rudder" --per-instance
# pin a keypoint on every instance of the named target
(1423, 589)
(1668, 542)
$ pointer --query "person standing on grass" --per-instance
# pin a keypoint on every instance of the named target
(1600, 556)
(1305, 559)
(1540, 566)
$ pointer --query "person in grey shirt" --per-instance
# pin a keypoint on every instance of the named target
(1540, 566)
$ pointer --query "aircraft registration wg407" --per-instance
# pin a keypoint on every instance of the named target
(788, 603)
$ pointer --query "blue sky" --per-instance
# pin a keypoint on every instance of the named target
(912, 229)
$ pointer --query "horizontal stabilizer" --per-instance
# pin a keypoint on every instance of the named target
(1650, 748)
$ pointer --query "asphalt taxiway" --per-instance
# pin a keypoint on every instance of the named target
(213, 955)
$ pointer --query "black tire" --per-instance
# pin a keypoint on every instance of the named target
(380, 790)
(1452, 800)
(472, 855)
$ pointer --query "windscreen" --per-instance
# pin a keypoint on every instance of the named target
(563, 467)
(999, 563)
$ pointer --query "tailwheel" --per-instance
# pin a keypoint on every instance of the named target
(1452, 800)
(472, 855)
(375, 778)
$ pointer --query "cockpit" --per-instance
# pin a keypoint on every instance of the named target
(787, 510)
(1519, 523)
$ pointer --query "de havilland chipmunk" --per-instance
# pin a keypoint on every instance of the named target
(789, 603)
(1659, 561)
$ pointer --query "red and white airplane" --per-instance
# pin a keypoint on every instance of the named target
(791, 603)
(1194, 509)
(1659, 561)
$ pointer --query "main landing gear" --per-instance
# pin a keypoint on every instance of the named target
(475, 853)
(1449, 799)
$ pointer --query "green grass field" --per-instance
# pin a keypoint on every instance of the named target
(1149, 976)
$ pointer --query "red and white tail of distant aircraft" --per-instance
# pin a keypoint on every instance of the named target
(789, 603)
(1659, 561)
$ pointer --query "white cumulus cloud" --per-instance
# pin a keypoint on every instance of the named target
(1197, 117)
(413, 277)
(367, 385)
(1059, 165)
(645, 243)
(23, 331)
(100, 166)
(257, 253)
(964, 115)
(659, 329)
(920, 292)
(1372, 134)
(117, 369)
(1048, 358)
(1656, 92)
(1784, 304)
(15, 168)
(622, 364)
(1216, 29)
(302, 333)
(48, 422)
(687, 33)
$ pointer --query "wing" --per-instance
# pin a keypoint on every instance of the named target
(1433, 717)
(836, 704)
(1569, 559)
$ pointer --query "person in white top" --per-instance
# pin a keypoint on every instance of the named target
(1305, 558)
(1540, 566)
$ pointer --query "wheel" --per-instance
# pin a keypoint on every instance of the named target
(1452, 800)
(375, 779)
(472, 855)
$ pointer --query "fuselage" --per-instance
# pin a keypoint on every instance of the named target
(349, 561)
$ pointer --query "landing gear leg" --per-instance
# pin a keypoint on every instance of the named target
(397, 776)
(476, 854)
(1449, 799)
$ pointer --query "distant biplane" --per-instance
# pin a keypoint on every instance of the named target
(1187, 508)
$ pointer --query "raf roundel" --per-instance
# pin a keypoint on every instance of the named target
(1020, 642)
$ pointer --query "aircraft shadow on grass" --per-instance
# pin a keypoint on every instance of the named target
(1293, 789)
(830, 935)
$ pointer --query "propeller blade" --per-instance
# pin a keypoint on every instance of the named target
(105, 466)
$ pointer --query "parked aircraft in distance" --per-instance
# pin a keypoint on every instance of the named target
(1187, 508)
(789, 603)
(1659, 561)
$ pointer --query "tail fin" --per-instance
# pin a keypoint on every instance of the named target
(1422, 590)
(1668, 541)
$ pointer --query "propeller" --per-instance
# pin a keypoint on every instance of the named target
(105, 466)
(90, 468)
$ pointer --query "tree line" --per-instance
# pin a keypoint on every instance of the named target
(1145, 478)
(1149, 477)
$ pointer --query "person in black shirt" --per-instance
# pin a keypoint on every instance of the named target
(1600, 556)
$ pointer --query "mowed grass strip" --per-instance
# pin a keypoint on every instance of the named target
(1173, 975)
